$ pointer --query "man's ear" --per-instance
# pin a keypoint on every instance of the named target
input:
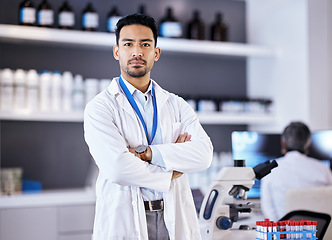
(157, 54)
(116, 52)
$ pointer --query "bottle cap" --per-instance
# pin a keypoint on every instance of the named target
(19, 76)
(32, 77)
(7, 76)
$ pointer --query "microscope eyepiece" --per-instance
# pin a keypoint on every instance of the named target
(263, 169)
(239, 163)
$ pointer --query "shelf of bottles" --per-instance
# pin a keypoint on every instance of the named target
(61, 97)
(107, 41)
(171, 31)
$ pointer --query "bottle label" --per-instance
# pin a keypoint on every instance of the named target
(90, 20)
(7, 93)
(111, 23)
(28, 15)
(32, 98)
(45, 17)
(66, 19)
(171, 29)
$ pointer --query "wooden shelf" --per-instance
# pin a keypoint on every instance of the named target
(107, 41)
(205, 118)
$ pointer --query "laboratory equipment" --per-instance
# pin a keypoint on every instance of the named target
(227, 198)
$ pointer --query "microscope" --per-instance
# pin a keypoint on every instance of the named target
(227, 198)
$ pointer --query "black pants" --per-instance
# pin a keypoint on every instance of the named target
(156, 225)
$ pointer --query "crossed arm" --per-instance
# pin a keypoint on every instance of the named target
(181, 139)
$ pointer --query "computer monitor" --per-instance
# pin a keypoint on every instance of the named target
(255, 148)
(321, 146)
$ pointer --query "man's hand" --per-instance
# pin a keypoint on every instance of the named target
(185, 137)
(176, 174)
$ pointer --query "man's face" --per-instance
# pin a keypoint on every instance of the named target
(136, 51)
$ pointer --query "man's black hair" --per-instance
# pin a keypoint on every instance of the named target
(296, 136)
(140, 19)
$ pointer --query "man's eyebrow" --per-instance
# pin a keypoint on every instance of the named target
(132, 40)
(146, 40)
(127, 40)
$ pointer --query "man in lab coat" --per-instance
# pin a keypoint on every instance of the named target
(144, 140)
(295, 170)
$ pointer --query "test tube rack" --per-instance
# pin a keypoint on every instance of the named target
(303, 235)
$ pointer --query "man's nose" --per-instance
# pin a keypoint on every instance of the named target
(137, 52)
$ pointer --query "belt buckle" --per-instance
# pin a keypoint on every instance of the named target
(155, 210)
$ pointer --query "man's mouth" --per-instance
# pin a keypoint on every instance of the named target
(136, 62)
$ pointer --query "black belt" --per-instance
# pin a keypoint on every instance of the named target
(156, 205)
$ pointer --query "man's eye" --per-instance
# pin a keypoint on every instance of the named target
(146, 45)
(127, 44)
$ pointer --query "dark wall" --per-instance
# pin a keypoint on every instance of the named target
(55, 153)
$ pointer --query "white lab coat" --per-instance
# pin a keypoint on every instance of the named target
(111, 126)
(295, 170)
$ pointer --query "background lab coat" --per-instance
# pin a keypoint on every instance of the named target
(295, 170)
(111, 126)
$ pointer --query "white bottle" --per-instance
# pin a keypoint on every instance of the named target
(91, 89)
(67, 91)
(56, 91)
(104, 83)
(19, 89)
(45, 91)
(7, 89)
(32, 93)
(78, 93)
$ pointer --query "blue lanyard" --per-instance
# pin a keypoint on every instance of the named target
(138, 112)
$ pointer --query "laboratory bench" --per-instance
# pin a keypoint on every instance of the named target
(65, 214)
(48, 198)
(52, 215)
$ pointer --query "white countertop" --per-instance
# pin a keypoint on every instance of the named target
(61, 197)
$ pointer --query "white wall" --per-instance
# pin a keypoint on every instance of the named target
(297, 79)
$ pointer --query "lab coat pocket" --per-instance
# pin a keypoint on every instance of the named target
(176, 131)
(116, 213)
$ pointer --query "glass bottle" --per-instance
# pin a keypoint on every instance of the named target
(7, 89)
(219, 29)
(32, 90)
(78, 93)
(90, 18)
(45, 15)
(195, 28)
(27, 13)
(169, 26)
(19, 89)
(112, 19)
(66, 17)
(45, 91)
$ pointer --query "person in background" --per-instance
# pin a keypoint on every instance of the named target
(295, 170)
(144, 140)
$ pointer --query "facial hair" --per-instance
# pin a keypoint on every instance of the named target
(138, 71)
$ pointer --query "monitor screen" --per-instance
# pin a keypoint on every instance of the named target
(321, 146)
(255, 148)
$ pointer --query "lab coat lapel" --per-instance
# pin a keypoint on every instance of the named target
(115, 90)
(122, 100)
(161, 97)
